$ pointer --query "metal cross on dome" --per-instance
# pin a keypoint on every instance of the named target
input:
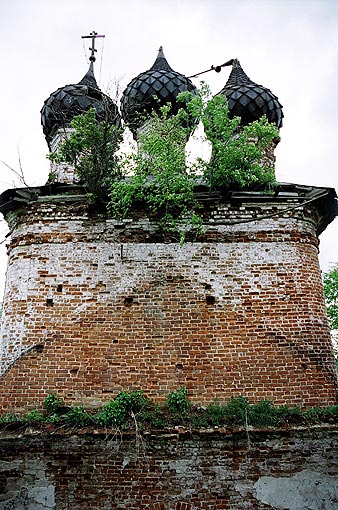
(93, 35)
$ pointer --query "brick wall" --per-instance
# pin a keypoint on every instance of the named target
(214, 470)
(93, 306)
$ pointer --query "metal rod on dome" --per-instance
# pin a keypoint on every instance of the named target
(213, 68)
(93, 35)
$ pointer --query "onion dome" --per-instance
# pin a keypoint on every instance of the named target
(248, 100)
(151, 90)
(67, 102)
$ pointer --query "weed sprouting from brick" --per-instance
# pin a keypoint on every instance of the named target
(119, 412)
(130, 410)
(178, 403)
(52, 404)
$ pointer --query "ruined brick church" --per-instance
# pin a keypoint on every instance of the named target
(94, 306)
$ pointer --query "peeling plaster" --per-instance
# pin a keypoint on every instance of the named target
(306, 490)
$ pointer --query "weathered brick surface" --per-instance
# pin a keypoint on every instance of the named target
(93, 307)
(214, 470)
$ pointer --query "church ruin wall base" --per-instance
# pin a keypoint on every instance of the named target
(210, 470)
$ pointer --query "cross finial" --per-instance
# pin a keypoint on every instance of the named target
(93, 35)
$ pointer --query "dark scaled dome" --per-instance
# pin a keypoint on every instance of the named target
(151, 90)
(250, 101)
(67, 102)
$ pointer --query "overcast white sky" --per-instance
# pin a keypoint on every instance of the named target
(288, 46)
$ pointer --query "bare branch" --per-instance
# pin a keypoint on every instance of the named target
(19, 174)
(22, 176)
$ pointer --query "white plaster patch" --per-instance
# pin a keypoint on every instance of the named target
(306, 490)
(11, 342)
(29, 489)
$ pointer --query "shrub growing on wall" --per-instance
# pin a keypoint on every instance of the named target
(331, 297)
(91, 148)
(238, 152)
(158, 175)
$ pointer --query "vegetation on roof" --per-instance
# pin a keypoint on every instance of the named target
(158, 175)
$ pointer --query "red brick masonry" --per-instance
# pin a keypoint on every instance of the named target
(93, 307)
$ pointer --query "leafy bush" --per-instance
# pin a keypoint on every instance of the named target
(263, 414)
(318, 414)
(215, 414)
(236, 411)
(54, 419)
(158, 175)
(34, 417)
(79, 417)
(91, 149)
(331, 298)
(236, 161)
(153, 416)
(119, 411)
(238, 153)
(132, 410)
(9, 418)
(53, 404)
(286, 414)
(178, 402)
(331, 295)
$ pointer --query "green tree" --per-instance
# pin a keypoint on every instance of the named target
(91, 149)
(331, 298)
(331, 295)
(238, 152)
(158, 175)
(161, 177)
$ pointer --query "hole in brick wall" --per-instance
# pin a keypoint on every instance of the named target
(115, 341)
(49, 302)
(207, 286)
(128, 300)
(59, 288)
(210, 299)
(179, 366)
(304, 365)
(39, 347)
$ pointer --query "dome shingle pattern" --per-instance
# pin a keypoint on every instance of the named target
(67, 102)
(250, 101)
(151, 90)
